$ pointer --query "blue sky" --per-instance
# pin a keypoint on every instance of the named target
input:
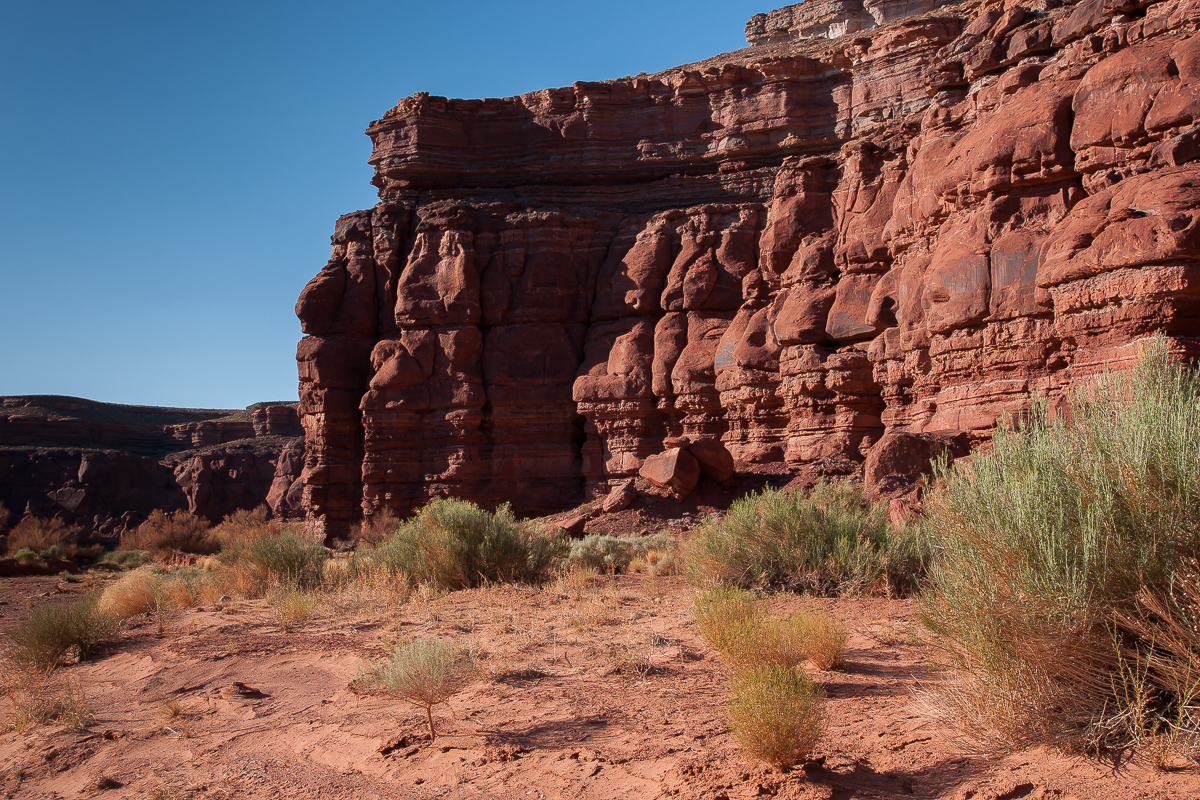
(170, 171)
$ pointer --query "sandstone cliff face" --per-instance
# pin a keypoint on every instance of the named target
(105, 467)
(902, 215)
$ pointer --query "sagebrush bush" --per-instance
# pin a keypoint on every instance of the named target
(455, 544)
(1067, 559)
(50, 631)
(832, 541)
(777, 714)
(652, 554)
(51, 536)
(161, 534)
(426, 673)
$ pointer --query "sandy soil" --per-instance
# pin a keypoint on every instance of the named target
(597, 691)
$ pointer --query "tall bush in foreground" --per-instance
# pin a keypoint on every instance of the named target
(455, 544)
(832, 541)
(1065, 577)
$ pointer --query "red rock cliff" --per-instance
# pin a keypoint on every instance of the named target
(880, 216)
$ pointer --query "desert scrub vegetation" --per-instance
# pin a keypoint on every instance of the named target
(832, 541)
(736, 624)
(455, 544)
(162, 534)
(653, 554)
(49, 632)
(258, 553)
(1065, 583)
(45, 537)
(425, 672)
(44, 696)
(776, 714)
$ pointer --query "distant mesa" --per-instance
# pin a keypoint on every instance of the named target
(105, 466)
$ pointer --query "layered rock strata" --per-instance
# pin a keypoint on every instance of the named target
(881, 216)
(105, 467)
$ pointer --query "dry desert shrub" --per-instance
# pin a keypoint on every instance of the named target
(1065, 583)
(51, 631)
(821, 637)
(730, 621)
(259, 553)
(377, 527)
(132, 594)
(291, 605)
(162, 534)
(50, 536)
(425, 672)
(614, 554)
(5, 516)
(776, 714)
(43, 696)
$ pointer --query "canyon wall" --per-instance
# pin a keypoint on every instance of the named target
(903, 215)
(105, 467)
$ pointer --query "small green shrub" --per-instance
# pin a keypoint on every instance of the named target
(426, 673)
(161, 534)
(832, 541)
(50, 631)
(614, 554)
(126, 559)
(731, 621)
(25, 555)
(1065, 582)
(455, 544)
(776, 714)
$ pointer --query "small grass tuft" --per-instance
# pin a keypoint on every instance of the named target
(776, 714)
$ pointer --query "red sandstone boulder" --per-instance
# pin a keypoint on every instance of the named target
(908, 456)
(675, 469)
(620, 498)
(713, 457)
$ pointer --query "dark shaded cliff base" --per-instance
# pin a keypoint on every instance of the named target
(601, 692)
(105, 466)
(883, 216)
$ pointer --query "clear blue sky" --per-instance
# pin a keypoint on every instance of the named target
(170, 171)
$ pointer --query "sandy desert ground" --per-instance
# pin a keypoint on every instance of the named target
(596, 690)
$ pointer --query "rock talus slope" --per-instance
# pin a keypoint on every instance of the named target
(880, 216)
